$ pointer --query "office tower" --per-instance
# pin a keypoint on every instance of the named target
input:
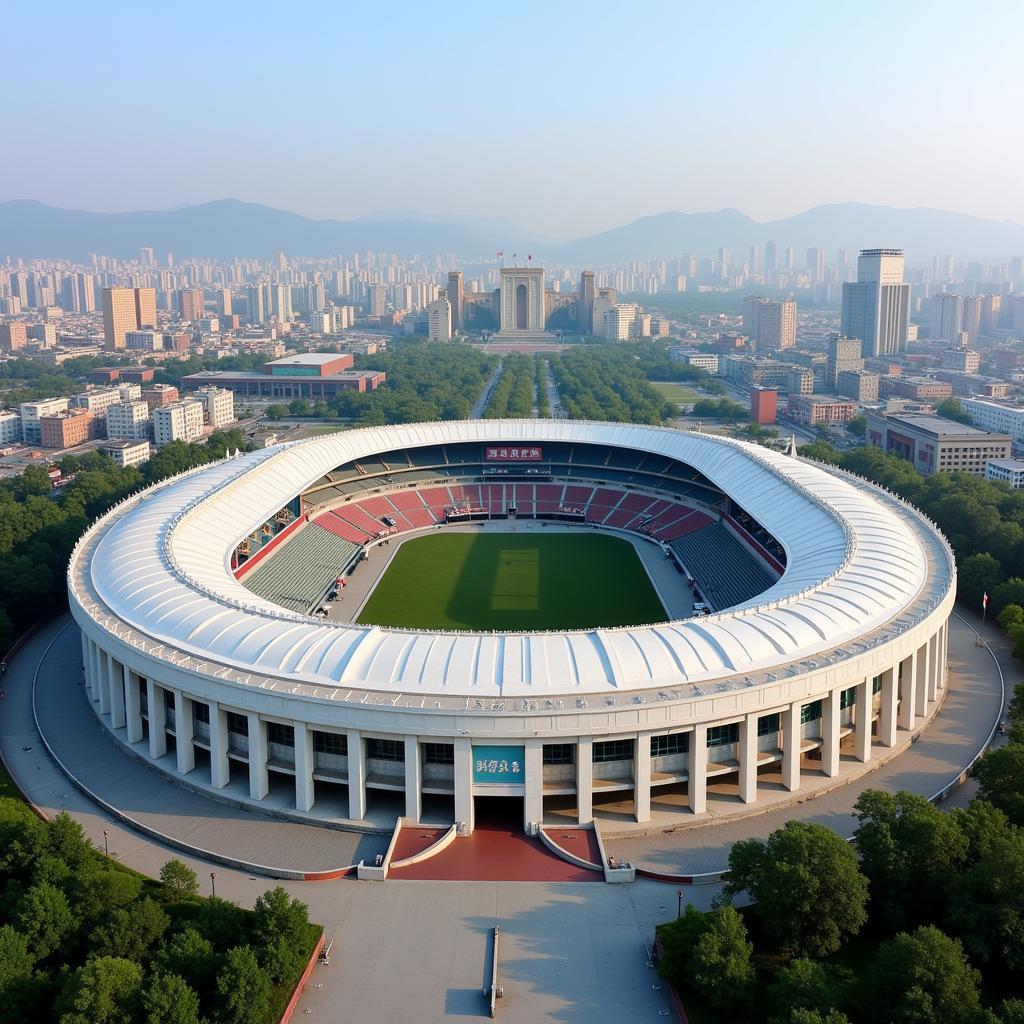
(147, 257)
(190, 302)
(281, 300)
(816, 264)
(973, 307)
(603, 302)
(224, 301)
(377, 300)
(943, 268)
(769, 323)
(439, 319)
(876, 306)
(455, 297)
(585, 313)
(126, 309)
(770, 258)
(947, 316)
(991, 308)
(257, 312)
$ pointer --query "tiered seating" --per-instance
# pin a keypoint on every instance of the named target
(726, 571)
(549, 497)
(602, 503)
(630, 508)
(411, 505)
(524, 499)
(315, 558)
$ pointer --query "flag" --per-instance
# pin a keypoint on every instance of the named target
(529, 259)
(500, 253)
(984, 600)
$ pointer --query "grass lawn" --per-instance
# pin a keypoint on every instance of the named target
(511, 581)
(675, 392)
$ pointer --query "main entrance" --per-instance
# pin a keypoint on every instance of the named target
(499, 813)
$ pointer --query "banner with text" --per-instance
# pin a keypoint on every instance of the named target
(508, 453)
(498, 764)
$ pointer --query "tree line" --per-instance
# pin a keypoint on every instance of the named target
(84, 940)
(513, 394)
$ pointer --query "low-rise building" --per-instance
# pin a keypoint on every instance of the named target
(32, 412)
(1007, 471)
(131, 421)
(933, 444)
(920, 389)
(965, 360)
(860, 385)
(180, 421)
(763, 405)
(157, 395)
(218, 406)
(10, 426)
(126, 453)
(1007, 419)
(13, 336)
(702, 360)
(66, 429)
(812, 410)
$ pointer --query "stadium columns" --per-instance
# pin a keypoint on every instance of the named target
(697, 769)
(748, 759)
(924, 664)
(356, 775)
(887, 710)
(259, 777)
(184, 732)
(463, 781)
(905, 712)
(115, 678)
(830, 733)
(156, 710)
(791, 740)
(133, 705)
(934, 666)
(862, 721)
(585, 780)
(413, 779)
(87, 665)
(642, 777)
(220, 771)
(102, 679)
(533, 804)
(305, 791)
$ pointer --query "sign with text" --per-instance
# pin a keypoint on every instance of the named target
(498, 764)
(513, 453)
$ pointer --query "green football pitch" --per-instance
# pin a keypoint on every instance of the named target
(514, 581)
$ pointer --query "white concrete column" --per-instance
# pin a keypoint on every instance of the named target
(413, 779)
(184, 733)
(157, 713)
(933, 668)
(357, 775)
(585, 780)
(220, 772)
(86, 665)
(305, 792)
(887, 710)
(642, 777)
(830, 733)
(259, 777)
(115, 677)
(924, 662)
(748, 759)
(942, 655)
(791, 740)
(96, 672)
(862, 721)
(907, 718)
(102, 680)
(132, 705)
(697, 769)
(463, 780)
(533, 776)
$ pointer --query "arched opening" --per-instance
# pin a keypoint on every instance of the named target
(522, 307)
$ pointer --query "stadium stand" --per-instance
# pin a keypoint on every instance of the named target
(726, 571)
(313, 559)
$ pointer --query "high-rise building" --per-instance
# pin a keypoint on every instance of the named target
(947, 316)
(619, 321)
(843, 354)
(455, 300)
(603, 301)
(585, 313)
(257, 301)
(770, 323)
(126, 309)
(13, 335)
(816, 265)
(224, 301)
(377, 300)
(147, 257)
(876, 306)
(440, 318)
(770, 258)
(190, 302)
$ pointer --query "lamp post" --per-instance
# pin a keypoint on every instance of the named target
(106, 845)
(679, 896)
(213, 883)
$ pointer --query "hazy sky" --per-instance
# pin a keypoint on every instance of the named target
(566, 117)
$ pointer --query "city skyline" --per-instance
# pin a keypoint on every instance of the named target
(534, 104)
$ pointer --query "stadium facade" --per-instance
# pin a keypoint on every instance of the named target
(836, 646)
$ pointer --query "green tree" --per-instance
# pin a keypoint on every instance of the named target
(129, 933)
(910, 852)
(243, 988)
(21, 838)
(922, 977)
(103, 991)
(953, 410)
(97, 893)
(804, 879)
(1000, 775)
(820, 451)
(678, 939)
(1011, 1011)
(222, 922)
(280, 933)
(858, 426)
(179, 877)
(977, 575)
(276, 412)
(802, 984)
(15, 960)
(801, 1015)
(190, 955)
(1011, 615)
(720, 965)
(43, 916)
(168, 999)
(35, 480)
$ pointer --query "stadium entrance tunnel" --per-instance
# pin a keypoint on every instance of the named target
(499, 813)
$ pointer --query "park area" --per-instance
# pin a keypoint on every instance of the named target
(677, 393)
(512, 581)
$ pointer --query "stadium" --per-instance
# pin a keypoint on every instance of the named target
(551, 620)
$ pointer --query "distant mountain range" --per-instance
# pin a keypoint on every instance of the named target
(229, 227)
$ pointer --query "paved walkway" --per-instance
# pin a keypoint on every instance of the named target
(485, 396)
(972, 706)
